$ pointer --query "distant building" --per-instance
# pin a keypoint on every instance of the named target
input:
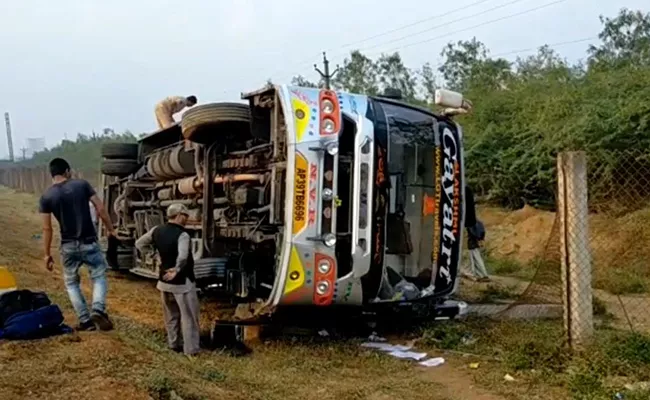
(34, 145)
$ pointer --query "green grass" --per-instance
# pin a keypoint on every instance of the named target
(494, 293)
(600, 308)
(506, 266)
(159, 384)
(503, 266)
(617, 281)
(620, 282)
(534, 352)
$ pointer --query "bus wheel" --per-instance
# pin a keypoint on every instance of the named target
(207, 123)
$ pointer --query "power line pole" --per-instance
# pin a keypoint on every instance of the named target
(326, 76)
(24, 150)
(10, 142)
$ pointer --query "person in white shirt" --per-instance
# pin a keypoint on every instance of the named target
(93, 214)
(166, 109)
(176, 280)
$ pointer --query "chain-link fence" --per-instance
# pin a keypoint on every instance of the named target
(619, 235)
(586, 262)
(523, 256)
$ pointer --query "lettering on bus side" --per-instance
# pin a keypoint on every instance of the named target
(436, 216)
(313, 181)
(450, 207)
(380, 206)
(300, 197)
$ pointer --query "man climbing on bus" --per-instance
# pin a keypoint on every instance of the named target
(166, 109)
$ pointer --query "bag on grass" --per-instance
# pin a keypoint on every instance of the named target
(43, 322)
(20, 301)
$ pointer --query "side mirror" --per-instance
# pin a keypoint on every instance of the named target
(453, 102)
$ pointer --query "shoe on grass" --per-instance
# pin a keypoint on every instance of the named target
(101, 320)
(86, 326)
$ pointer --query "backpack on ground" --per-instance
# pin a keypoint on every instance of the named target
(43, 322)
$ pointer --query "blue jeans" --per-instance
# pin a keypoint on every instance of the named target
(73, 255)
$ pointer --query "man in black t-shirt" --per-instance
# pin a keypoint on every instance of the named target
(69, 200)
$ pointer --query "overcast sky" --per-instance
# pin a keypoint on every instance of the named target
(77, 66)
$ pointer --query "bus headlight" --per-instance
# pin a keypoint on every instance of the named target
(329, 240)
(327, 106)
(322, 287)
(328, 125)
(332, 148)
(327, 194)
(324, 267)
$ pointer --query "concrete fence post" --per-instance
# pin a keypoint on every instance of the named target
(576, 253)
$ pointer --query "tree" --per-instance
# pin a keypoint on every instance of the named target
(395, 75)
(546, 61)
(428, 83)
(300, 80)
(357, 75)
(625, 41)
(461, 59)
(84, 153)
(527, 111)
(467, 64)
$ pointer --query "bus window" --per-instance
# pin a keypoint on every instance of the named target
(411, 160)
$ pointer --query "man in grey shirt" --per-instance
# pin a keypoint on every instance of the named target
(176, 279)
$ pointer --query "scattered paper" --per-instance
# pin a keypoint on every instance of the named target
(433, 362)
(638, 386)
(376, 338)
(323, 333)
(408, 355)
(474, 365)
(386, 346)
(509, 378)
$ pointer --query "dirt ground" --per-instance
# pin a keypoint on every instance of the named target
(619, 254)
(521, 235)
(132, 361)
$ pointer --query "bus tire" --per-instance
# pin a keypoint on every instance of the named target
(235, 116)
(124, 151)
(119, 167)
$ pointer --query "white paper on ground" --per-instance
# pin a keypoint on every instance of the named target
(408, 355)
(433, 362)
(386, 346)
(376, 338)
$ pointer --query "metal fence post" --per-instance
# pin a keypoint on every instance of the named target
(576, 253)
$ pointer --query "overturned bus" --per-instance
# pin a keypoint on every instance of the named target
(303, 197)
